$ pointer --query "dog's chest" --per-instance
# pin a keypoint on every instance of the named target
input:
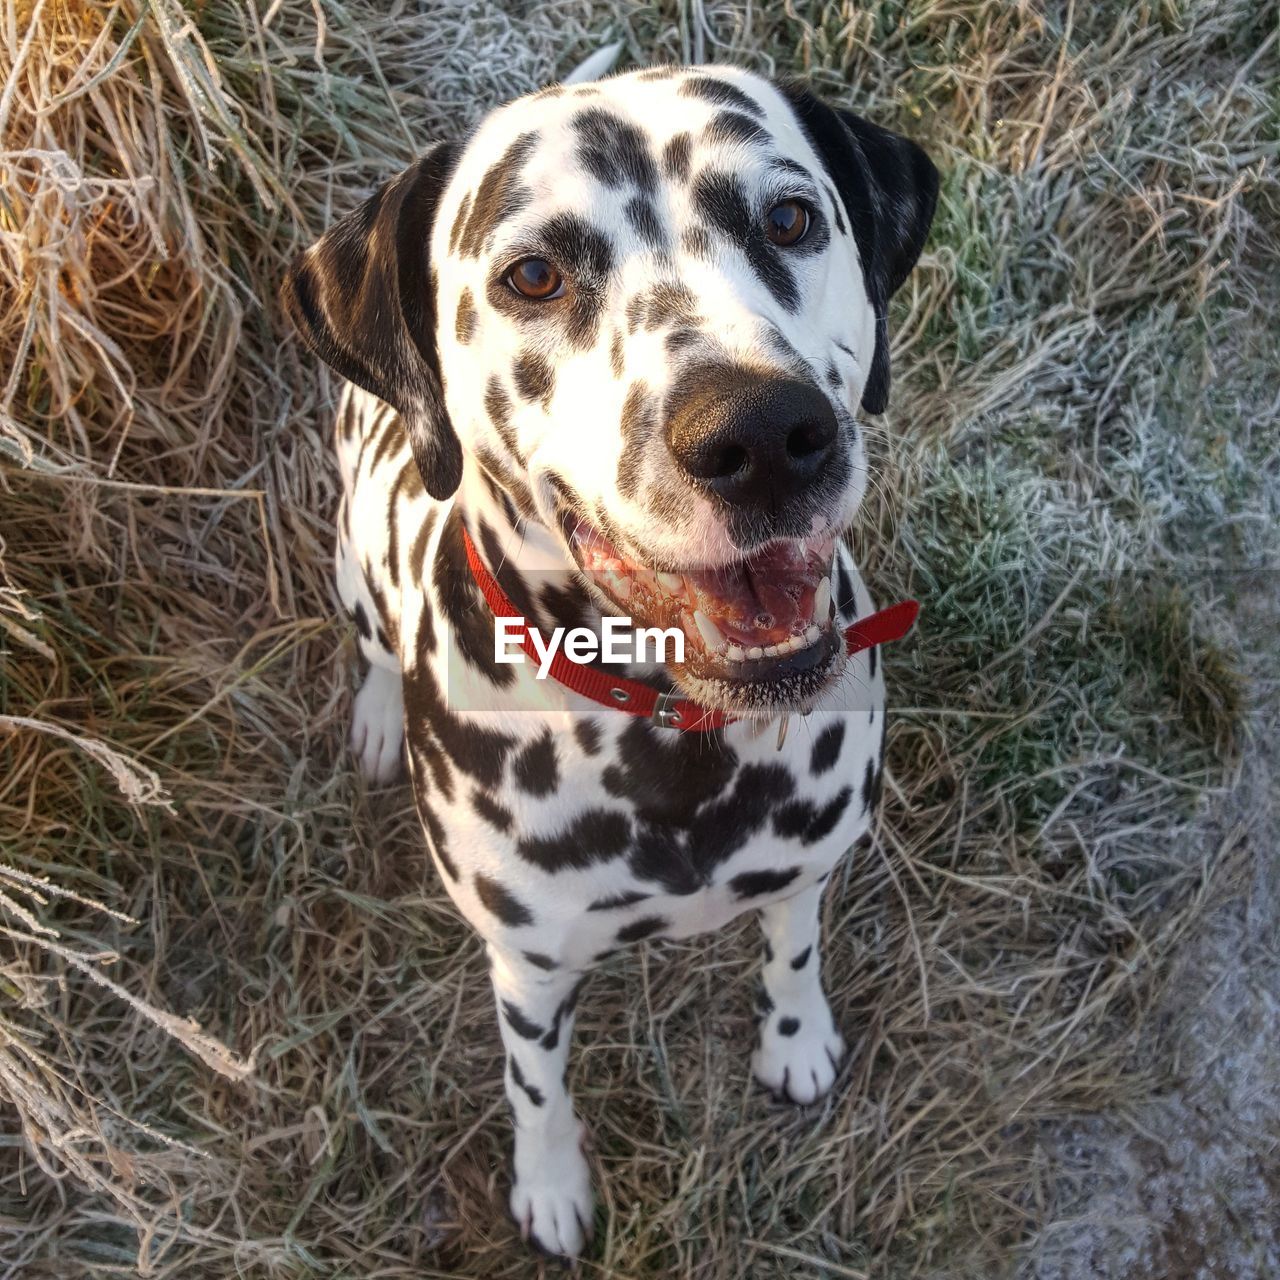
(584, 831)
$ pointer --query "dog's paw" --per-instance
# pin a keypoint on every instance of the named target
(800, 1052)
(551, 1196)
(377, 724)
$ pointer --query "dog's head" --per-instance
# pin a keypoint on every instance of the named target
(647, 307)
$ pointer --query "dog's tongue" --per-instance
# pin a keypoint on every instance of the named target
(770, 597)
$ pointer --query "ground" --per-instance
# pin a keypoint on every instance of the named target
(242, 1030)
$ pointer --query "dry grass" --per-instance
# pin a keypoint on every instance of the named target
(1081, 459)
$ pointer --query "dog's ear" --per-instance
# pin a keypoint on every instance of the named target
(363, 299)
(889, 188)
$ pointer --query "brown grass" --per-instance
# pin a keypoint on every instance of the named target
(1081, 455)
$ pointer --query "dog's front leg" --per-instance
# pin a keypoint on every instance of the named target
(551, 1189)
(800, 1048)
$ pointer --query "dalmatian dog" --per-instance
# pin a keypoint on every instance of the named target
(618, 339)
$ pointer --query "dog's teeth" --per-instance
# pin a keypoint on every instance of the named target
(735, 653)
(822, 600)
(812, 632)
(772, 650)
(755, 653)
(711, 634)
(671, 583)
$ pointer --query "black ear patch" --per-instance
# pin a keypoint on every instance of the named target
(888, 188)
(363, 299)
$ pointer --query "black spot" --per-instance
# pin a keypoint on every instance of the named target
(393, 536)
(871, 660)
(513, 583)
(712, 89)
(614, 150)
(868, 785)
(618, 901)
(676, 155)
(645, 927)
(846, 593)
(803, 819)
(754, 884)
(505, 487)
(764, 1001)
(463, 606)
(465, 325)
(497, 404)
(697, 241)
(425, 753)
(644, 218)
(497, 198)
(785, 164)
(386, 624)
(565, 1008)
(383, 642)
(517, 1076)
(435, 835)
(768, 951)
(595, 835)
(535, 377)
(410, 479)
(362, 621)
(721, 199)
(833, 376)
(678, 339)
(802, 959)
(349, 421)
(567, 602)
(539, 961)
(733, 126)
(459, 222)
(417, 554)
(588, 735)
(502, 903)
(665, 303)
(683, 832)
(589, 255)
(863, 841)
(535, 769)
(522, 1026)
(837, 206)
(479, 752)
(826, 749)
(638, 422)
(486, 807)
(788, 1026)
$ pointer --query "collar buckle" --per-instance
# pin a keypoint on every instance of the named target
(666, 714)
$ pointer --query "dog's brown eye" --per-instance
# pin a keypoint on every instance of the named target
(536, 278)
(786, 223)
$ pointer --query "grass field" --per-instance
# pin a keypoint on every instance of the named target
(242, 1032)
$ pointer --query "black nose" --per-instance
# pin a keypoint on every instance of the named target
(752, 440)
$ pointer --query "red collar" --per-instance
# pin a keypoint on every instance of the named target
(666, 710)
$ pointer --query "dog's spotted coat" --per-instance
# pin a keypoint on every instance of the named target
(564, 831)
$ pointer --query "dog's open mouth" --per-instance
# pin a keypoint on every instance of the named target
(766, 620)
